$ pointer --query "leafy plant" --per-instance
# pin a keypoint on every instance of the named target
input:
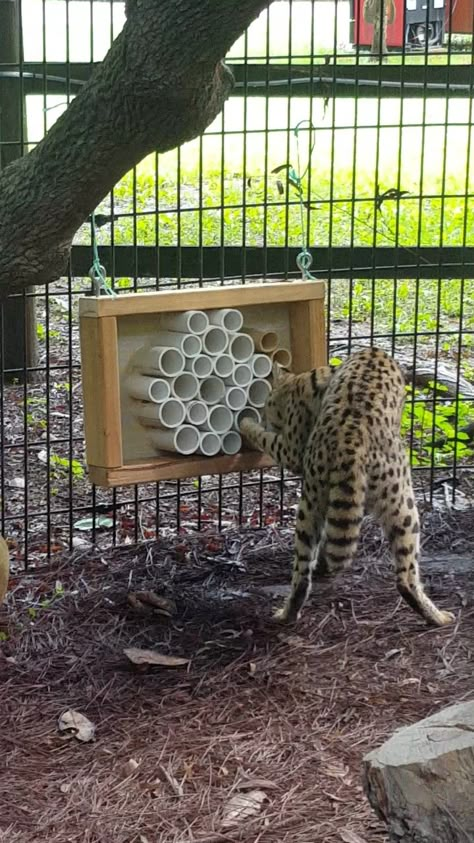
(62, 465)
(435, 427)
(41, 332)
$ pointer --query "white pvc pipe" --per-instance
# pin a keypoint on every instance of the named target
(190, 322)
(170, 413)
(226, 317)
(183, 440)
(188, 344)
(201, 366)
(241, 347)
(241, 376)
(210, 444)
(214, 341)
(259, 390)
(185, 387)
(265, 341)
(235, 398)
(159, 360)
(231, 442)
(246, 413)
(223, 366)
(212, 390)
(219, 419)
(196, 412)
(261, 365)
(147, 389)
(283, 357)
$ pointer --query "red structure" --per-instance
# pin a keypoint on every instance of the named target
(363, 31)
(461, 17)
(416, 23)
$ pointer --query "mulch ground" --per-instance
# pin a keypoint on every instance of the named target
(285, 712)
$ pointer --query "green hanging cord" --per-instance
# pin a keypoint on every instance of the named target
(304, 260)
(97, 272)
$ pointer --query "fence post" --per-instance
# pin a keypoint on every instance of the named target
(18, 325)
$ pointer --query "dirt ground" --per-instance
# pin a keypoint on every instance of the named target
(280, 718)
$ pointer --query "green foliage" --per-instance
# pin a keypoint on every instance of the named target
(208, 210)
(434, 426)
(62, 465)
(41, 332)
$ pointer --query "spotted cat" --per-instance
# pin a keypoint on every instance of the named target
(341, 428)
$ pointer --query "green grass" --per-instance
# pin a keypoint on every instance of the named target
(404, 304)
(214, 210)
(351, 158)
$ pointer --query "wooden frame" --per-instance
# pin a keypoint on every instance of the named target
(108, 326)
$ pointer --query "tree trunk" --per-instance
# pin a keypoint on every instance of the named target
(421, 781)
(19, 344)
(379, 13)
(161, 84)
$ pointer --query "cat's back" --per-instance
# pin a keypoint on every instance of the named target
(363, 401)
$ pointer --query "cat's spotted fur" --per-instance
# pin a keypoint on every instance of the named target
(341, 429)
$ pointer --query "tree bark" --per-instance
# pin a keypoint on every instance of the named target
(162, 83)
(19, 343)
(421, 781)
(379, 13)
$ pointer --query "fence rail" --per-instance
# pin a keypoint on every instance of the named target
(280, 80)
(208, 262)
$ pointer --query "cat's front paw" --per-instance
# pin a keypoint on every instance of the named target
(249, 429)
(280, 615)
(444, 618)
(284, 614)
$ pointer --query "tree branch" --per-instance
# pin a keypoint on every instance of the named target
(161, 84)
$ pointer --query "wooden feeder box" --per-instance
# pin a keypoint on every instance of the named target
(113, 329)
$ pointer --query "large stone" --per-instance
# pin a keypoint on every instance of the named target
(421, 781)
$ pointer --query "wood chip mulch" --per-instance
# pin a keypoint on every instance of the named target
(261, 736)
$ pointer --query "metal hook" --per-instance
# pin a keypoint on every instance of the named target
(97, 274)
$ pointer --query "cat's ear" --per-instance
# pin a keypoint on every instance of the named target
(279, 375)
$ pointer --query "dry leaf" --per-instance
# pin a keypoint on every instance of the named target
(172, 781)
(77, 725)
(130, 766)
(4, 568)
(148, 601)
(153, 657)
(391, 653)
(164, 604)
(136, 604)
(336, 771)
(16, 482)
(78, 542)
(153, 788)
(350, 836)
(242, 806)
(292, 640)
(255, 783)
(252, 668)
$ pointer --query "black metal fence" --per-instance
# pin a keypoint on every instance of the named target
(386, 210)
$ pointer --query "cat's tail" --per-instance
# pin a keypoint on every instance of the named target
(344, 513)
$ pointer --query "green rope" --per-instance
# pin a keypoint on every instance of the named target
(304, 260)
(97, 272)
